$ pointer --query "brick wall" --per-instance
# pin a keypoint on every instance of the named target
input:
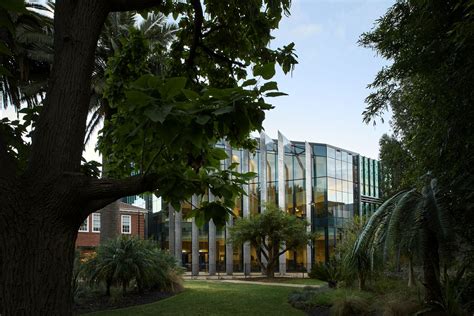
(92, 239)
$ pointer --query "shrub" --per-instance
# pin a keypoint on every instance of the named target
(300, 299)
(329, 272)
(350, 305)
(122, 260)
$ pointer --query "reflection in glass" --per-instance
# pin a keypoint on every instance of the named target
(320, 166)
(331, 152)
(331, 165)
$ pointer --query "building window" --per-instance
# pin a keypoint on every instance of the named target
(84, 226)
(96, 222)
(126, 224)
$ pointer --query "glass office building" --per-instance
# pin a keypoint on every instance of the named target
(322, 184)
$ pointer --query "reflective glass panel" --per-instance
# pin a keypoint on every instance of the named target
(320, 150)
(331, 167)
(331, 152)
(320, 166)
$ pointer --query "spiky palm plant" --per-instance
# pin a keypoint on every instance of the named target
(418, 223)
(26, 53)
(120, 261)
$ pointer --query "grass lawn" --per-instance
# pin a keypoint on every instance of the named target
(300, 281)
(214, 298)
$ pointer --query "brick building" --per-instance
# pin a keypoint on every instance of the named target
(132, 222)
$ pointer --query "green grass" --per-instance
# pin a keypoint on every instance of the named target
(214, 298)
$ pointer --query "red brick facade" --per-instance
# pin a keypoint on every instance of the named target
(91, 239)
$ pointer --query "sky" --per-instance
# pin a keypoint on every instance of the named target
(328, 87)
(326, 90)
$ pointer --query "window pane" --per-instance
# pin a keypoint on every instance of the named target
(331, 184)
(96, 222)
(320, 166)
(126, 224)
(321, 184)
(338, 169)
(331, 152)
(338, 155)
(331, 165)
(84, 226)
(320, 150)
(344, 156)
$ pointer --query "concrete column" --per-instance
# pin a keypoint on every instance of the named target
(246, 212)
(212, 248)
(194, 241)
(309, 200)
(262, 172)
(212, 242)
(178, 217)
(171, 227)
(281, 190)
(229, 250)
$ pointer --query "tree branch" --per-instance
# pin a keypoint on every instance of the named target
(221, 57)
(198, 20)
(133, 5)
(111, 189)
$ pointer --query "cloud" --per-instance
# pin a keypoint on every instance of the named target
(306, 30)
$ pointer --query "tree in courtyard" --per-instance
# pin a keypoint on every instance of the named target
(272, 233)
(163, 132)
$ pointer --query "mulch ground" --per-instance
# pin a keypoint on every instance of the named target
(99, 303)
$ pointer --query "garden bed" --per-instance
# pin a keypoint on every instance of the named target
(94, 303)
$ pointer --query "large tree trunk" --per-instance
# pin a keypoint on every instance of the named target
(36, 260)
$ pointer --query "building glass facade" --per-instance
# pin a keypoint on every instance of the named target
(319, 183)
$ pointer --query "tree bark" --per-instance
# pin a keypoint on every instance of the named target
(36, 260)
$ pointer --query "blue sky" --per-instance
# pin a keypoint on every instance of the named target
(328, 87)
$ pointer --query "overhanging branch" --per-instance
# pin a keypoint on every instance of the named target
(198, 20)
(111, 189)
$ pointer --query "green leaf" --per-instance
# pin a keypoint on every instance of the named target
(159, 113)
(173, 87)
(203, 119)
(224, 110)
(190, 94)
(249, 82)
(271, 85)
(267, 71)
(138, 98)
(275, 94)
(219, 154)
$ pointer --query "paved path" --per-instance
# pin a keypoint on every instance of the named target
(270, 283)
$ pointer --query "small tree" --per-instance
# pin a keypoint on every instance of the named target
(272, 233)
